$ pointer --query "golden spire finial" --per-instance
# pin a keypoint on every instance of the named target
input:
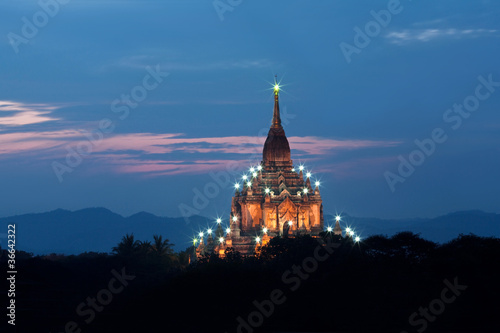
(276, 115)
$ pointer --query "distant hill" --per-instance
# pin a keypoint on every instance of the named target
(99, 229)
(94, 229)
(439, 229)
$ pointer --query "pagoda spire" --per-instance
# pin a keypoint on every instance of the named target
(276, 147)
(337, 230)
(276, 114)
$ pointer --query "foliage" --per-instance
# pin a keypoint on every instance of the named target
(373, 285)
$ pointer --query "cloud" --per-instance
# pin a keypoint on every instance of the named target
(425, 35)
(149, 143)
(20, 114)
(161, 154)
(34, 143)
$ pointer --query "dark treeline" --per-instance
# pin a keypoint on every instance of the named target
(382, 284)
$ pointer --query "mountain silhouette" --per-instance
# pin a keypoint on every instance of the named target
(95, 229)
(99, 229)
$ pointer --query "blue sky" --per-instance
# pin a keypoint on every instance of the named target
(349, 119)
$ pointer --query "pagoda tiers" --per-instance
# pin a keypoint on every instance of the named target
(274, 199)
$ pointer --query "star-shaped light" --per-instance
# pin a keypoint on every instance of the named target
(329, 229)
(254, 174)
(219, 220)
(257, 239)
(357, 239)
(267, 190)
(209, 231)
(221, 239)
(264, 230)
(249, 184)
(236, 186)
(235, 218)
(290, 223)
(306, 190)
(244, 177)
(316, 183)
(301, 167)
(252, 169)
(228, 230)
(276, 88)
(259, 167)
(308, 175)
(200, 234)
(337, 218)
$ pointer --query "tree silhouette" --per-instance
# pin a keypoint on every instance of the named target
(144, 247)
(162, 247)
(128, 246)
(385, 279)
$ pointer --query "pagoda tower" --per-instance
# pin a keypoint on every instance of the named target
(275, 198)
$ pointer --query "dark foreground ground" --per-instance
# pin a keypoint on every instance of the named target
(397, 284)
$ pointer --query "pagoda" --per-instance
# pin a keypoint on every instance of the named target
(275, 198)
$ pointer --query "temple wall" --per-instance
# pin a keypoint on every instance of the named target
(246, 218)
(254, 215)
(314, 217)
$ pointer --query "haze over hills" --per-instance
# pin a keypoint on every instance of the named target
(439, 229)
(99, 229)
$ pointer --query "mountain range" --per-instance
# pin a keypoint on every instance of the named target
(99, 229)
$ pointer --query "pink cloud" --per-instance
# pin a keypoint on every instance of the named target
(150, 143)
(128, 153)
(166, 143)
(33, 142)
(25, 114)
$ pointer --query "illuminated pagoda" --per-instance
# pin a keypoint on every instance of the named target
(273, 199)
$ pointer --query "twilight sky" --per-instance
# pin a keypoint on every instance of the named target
(143, 105)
